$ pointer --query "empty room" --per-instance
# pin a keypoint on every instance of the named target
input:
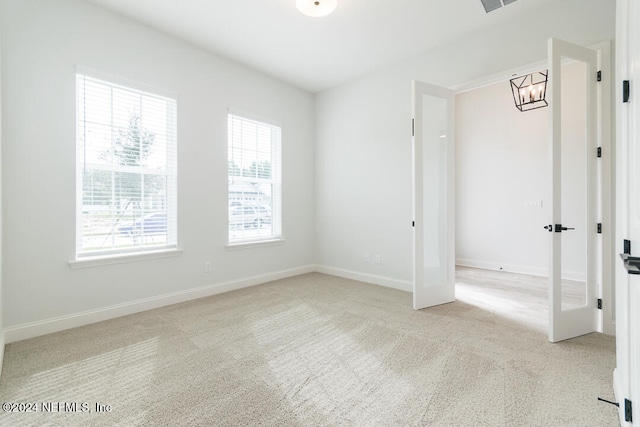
(250, 212)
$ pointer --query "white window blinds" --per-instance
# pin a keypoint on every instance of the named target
(126, 169)
(255, 188)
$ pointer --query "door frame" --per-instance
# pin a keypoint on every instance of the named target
(626, 375)
(605, 139)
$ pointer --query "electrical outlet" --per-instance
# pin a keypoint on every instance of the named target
(367, 257)
(378, 259)
(533, 203)
(207, 267)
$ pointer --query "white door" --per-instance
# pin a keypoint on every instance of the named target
(627, 290)
(433, 196)
(572, 163)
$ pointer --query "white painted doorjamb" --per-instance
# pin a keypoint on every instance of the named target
(626, 377)
(606, 190)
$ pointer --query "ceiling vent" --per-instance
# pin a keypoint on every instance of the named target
(490, 5)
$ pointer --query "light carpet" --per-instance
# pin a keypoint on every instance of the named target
(312, 350)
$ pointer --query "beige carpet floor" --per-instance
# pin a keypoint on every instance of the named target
(312, 350)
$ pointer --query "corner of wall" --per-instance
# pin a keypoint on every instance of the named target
(2, 342)
(1, 240)
(373, 279)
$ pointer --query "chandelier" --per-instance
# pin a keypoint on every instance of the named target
(529, 91)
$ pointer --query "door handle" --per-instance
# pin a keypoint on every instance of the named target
(631, 263)
(558, 228)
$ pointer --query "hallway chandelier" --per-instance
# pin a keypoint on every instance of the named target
(530, 91)
(316, 8)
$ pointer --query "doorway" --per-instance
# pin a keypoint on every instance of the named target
(502, 187)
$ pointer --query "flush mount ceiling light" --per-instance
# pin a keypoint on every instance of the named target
(316, 8)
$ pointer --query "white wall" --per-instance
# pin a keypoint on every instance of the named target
(1, 195)
(501, 163)
(363, 138)
(42, 43)
(502, 179)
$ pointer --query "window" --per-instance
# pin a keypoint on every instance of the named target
(126, 169)
(255, 189)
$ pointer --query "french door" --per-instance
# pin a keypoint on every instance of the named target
(572, 166)
(433, 195)
(627, 372)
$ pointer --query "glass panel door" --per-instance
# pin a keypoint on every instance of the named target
(434, 263)
(572, 166)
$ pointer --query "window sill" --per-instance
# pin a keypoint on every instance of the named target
(98, 261)
(254, 244)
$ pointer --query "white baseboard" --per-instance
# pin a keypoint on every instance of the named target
(367, 278)
(47, 326)
(43, 327)
(521, 269)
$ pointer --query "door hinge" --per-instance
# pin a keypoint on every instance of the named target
(413, 223)
(413, 127)
(599, 76)
(625, 91)
(599, 152)
(599, 228)
(599, 303)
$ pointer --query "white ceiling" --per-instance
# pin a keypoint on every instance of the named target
(317, 53)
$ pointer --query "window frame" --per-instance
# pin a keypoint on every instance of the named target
(114, 255)
(276, 237)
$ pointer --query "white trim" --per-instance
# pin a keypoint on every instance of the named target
(254, 244)
(97, 261)
(520, 269)
(506, 75)
(606, 206)
(275, 180)
(499, 77)
(388, 282)
(85, 86)
(56, 324)
(486, 265)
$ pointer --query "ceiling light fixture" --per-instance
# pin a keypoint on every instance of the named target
(530, 91)
(316, 8)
